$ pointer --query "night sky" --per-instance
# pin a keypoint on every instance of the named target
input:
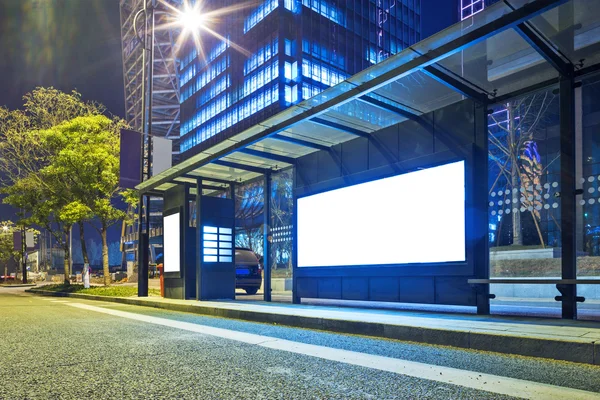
(75, 44)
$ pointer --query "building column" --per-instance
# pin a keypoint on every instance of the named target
(266, 238)
(143, 243)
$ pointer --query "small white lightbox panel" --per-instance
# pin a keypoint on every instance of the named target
(172, 245)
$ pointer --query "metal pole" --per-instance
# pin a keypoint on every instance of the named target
(150, 90)
(24, 247)
(71, 249)
(480, 205)
(567, 196)
(199, 239)
(143, 249)
(266, 234)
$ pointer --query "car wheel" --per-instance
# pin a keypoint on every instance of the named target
(251, 291)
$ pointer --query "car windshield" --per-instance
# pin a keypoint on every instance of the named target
(245, 256)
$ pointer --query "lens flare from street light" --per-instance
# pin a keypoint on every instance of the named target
(193, 19)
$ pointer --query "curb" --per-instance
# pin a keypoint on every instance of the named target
(19, 285)
(584, 351)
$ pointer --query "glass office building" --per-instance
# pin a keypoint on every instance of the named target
(468, 8)
(278, 53)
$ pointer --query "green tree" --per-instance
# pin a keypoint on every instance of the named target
(23, 156)
(7, 246)
(86, 161)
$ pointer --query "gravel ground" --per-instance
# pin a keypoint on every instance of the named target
(52, 351)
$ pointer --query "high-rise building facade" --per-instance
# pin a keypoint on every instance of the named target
(278, 53)
(468, 8)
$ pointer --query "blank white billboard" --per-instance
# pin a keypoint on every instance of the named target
(172, 245)
(417, 217)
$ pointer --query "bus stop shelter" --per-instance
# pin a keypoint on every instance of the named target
(512, 48)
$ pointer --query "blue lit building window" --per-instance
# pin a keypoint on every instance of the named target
(264, 53)
(321, 73)
(209, 74)
(291, 5)
(260, 13)
(234, 114)
(327, 10)
(260, 78)
(321, 52)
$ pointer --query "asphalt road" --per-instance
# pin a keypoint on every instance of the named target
(52, 348)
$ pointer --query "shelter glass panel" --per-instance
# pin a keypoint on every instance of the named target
(587, 146)
(501, 64)
(574, 28)
(523, 204)
(281, 233)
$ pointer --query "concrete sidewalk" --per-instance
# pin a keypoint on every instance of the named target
(577, 341)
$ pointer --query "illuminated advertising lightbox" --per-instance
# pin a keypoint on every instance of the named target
(172, 247)
(417, 217)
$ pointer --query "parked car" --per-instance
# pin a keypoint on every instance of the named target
(248, 272)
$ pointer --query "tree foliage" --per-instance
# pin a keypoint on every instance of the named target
(60, 160)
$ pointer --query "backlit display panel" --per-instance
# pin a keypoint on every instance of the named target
(172, 245)
(417, 217)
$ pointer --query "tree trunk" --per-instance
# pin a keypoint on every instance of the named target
(5, 271)
(67, 257)
(105, 255)
(86, 259)
(537, 226)
(514, 175)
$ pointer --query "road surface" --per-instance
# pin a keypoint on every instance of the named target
(62, 348)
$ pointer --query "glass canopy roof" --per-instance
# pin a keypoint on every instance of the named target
(510, 47)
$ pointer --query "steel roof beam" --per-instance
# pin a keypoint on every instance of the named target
(536, 40)
(388, 107)
(454, 83)
(243, 167)
(203, 178)
(268, 156)
(340, 127)
(299, 142)
(212, 187)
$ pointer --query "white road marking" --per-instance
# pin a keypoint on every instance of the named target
(59, 301)
(458, 377)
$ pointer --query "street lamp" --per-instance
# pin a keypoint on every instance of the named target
(190, 20)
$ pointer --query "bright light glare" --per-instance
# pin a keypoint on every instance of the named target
(196, 20)
(5, 228)
(191, 19)
(418, 217)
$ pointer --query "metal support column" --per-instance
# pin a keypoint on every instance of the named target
(24, 255)
(480, 205)
(199, 239)
(567, 195)
(295, 298)
(266, 238)
(143, 242)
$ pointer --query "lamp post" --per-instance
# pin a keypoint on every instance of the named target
(189, 19)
